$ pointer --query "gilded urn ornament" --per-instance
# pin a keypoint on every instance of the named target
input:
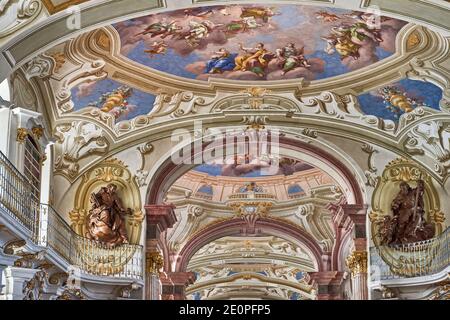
(106, 222)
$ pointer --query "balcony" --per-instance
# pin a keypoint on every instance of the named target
(45, 228)
(420, 259)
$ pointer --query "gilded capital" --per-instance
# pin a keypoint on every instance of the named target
(154, 262)
(38, 132)
(357, 262)
(22, 134)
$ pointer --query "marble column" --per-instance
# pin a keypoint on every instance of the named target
(159, 219)
(329, 284)
(357, 263)
(174, 285)
(14, 280)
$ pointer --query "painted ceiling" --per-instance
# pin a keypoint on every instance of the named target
(298, 42)
(249, 169)
(255, 42)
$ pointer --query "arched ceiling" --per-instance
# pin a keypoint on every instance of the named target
(251, 267)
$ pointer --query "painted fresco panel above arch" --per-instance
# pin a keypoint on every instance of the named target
(114, 98)
(393, 100)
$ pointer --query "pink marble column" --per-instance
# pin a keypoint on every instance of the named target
(350, 220)
(159, 219)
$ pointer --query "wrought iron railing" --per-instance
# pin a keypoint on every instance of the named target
(15, 196)
(411, 260)
(47, 228)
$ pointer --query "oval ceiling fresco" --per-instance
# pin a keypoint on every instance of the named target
(258, 42)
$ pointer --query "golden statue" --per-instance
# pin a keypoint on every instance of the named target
(106, 222)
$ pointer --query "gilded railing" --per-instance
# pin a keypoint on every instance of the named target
(411, 260)
(15, 196)
(96, 258)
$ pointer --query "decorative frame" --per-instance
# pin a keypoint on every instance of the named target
(115, 171)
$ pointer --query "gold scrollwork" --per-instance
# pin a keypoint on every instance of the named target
(154, 262)
(22, 134)
(357, 262)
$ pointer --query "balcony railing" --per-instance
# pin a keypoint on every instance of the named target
(96, 258)
(411, 260)
(251, 196)
(46, 228)
(15, 196)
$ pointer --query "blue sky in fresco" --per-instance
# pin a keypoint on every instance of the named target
(372, 103)
(142, 102)
(216, 170)
(294, 23)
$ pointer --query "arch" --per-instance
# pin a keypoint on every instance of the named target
(168, 172)
(236, 227)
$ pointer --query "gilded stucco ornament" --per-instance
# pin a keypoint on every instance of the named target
(397, 173)
(154, 262)
(22, 134)
(357, 262)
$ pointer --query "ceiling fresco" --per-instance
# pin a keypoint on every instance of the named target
(254, 42)
(395, 99)
(121, 101)
(251, 169)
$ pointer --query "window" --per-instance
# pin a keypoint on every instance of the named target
(32, 167)
(295, 191)
(205, 192)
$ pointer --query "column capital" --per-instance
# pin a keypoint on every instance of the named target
(153, 262)
(357, 262)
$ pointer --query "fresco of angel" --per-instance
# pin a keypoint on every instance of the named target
(158, 47)
(161, 29)
(243, 25)
(340, 41)
(221, 61)
(199, 31)
(258, 12)
(254, 59)
(290, 57)
(326, 16)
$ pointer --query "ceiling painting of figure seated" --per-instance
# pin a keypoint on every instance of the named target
(258, 42)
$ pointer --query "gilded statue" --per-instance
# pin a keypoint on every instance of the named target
(106, 220)
(407, 225)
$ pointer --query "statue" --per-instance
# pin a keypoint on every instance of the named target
(408, 224)
(106, 221)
